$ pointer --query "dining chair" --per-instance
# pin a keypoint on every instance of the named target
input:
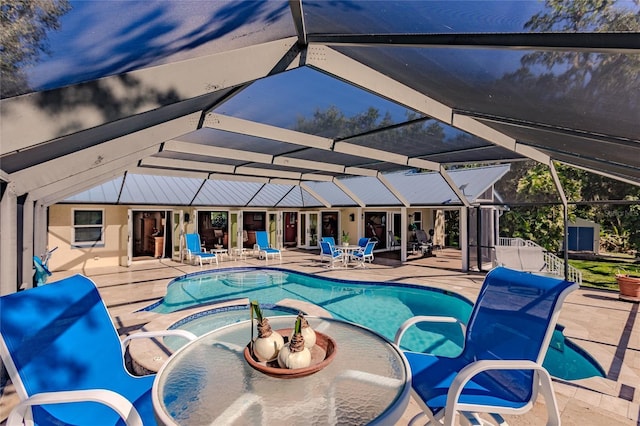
(330, 240)
(499, 370)
(365, 254)
(333, 254)
(66, 361)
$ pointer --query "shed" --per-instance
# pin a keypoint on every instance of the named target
(584, 235)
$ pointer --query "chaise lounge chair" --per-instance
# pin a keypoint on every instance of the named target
(65, 358)
(500, 368)
(264, 248)
(194, 250)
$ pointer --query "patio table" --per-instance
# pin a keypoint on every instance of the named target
(208, 381)
(348, 251)
(221, 253)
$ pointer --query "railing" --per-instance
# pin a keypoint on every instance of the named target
(553, 264)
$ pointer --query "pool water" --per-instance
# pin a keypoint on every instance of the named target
(383, 307)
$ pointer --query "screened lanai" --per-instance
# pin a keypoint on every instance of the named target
(307, 93)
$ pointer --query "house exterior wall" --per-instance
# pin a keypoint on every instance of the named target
(113, 251)
(68, 257)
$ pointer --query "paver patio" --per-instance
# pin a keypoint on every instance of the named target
(607, 328)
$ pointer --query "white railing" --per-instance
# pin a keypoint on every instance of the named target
(553, 264)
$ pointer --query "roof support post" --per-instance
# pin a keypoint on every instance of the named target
(404, 237)
(27, 243)
(565, 211)
(463, 225)
(40, 229)
(9, 240)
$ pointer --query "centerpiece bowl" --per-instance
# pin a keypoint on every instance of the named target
(322, 353)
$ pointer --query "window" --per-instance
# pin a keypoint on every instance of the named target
(88, 228)
(417, 220)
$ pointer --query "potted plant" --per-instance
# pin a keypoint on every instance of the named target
(345, 238)
(629, 287)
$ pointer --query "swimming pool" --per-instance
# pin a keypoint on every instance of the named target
(379, 306)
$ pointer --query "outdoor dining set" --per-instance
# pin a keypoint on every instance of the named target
(347, 254)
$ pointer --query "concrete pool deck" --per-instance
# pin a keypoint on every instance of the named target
(607, 328)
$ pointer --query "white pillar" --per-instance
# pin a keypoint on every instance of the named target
(8, 241)
(27, 244)
(40, 230)
(464, 238)
(404, 235)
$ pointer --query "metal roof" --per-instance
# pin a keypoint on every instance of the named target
(421, 189)
(195, 97)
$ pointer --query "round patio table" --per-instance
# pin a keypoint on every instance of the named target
(348, 251)
(208, 381)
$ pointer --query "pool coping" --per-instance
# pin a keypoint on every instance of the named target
(148, 355)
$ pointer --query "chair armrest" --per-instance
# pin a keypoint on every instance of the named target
(162, 333)
(474, 368)
(424, 318)
(21, 413)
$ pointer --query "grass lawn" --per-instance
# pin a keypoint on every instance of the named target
(601, 273)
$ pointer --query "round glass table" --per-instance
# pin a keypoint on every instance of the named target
(208, 381)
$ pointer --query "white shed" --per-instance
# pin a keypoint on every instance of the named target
(584, 235)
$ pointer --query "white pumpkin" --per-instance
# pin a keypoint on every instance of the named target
(295, 354)
(267, 348)
(268, 343)
(291, 360)
(307, 332)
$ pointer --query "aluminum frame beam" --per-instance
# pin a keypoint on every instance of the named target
(186, 79)
(131, 148)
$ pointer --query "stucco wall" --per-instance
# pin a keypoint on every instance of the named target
(67, 257)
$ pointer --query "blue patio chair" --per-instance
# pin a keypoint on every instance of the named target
(365, 254)
(330, 240)
(330, 252)
(500, 368)
(264, 248)
(362, 242)
(194, 250)
(65, 358)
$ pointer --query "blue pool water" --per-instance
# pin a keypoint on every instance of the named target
(379, 306)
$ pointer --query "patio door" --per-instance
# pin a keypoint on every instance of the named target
(309, 230)
(177, 235)
(395, 231)
(290, 229)
(274, 229)
(235, 229)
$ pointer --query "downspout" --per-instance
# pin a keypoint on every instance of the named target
(565, 208)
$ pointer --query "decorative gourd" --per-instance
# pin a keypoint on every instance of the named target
(268, 343)
(294, 354)
(307, 332)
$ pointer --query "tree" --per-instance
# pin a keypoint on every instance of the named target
(23, 38)
(543, 223)
(334, 124)
(592, 79)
